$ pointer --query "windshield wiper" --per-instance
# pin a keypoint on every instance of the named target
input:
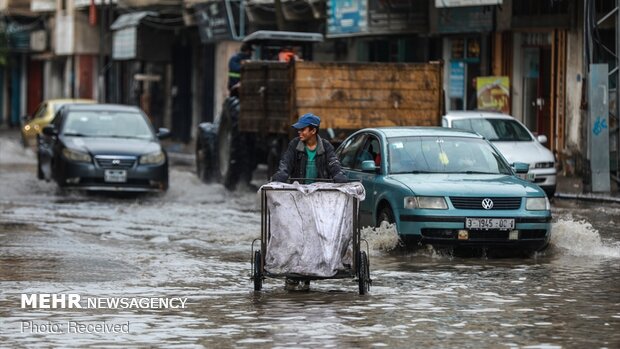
(74, 134)
(118, 136)
(478, 172)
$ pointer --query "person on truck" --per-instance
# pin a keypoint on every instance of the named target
(288, 54)
(310, 157)
(234, 66)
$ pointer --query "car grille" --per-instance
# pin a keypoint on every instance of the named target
(475, 203)
(115, 162)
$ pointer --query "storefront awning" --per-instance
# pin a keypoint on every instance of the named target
(131, 19)
(263, 35)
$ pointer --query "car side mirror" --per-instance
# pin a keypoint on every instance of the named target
(542, 139)
(369, 166)
(521, 167)
(163, 133)
(50, 130)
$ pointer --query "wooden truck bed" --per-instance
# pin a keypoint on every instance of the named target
(346, 96)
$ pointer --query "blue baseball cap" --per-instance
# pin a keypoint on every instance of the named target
(308, 119)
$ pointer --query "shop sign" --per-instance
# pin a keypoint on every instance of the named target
(346, 17)
(457, 80)
(212, 20)
(43, 5)
(38, 40)
(464, 20)
(65, 33)
(124, 43)
(493, 93)
(397, 16)
(460, 3)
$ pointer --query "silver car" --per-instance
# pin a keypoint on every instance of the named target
(513, 140)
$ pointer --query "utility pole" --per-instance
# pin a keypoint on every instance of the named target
(101, 75)
(600, 123)
(279, 15)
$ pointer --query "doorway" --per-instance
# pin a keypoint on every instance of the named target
(537, 89)
(182, 92)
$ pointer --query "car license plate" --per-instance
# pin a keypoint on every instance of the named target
(490, 223)
(115, 176)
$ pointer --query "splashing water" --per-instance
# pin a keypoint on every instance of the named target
(569, 236)
(14, 153)
(580, 238)
(382, 238)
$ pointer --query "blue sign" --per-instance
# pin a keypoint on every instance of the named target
(457, 80)
(346, 17)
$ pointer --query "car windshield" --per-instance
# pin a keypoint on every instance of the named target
(106, 124)
(57, 106)
(444, 155)
(495, 129)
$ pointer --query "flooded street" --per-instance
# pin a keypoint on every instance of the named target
(194, 242)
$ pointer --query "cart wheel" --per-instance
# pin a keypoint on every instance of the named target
(363, 273)
(258, 279)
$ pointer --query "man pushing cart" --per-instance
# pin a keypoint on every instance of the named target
(310, 231)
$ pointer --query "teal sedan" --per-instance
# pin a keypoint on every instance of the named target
(443, 186)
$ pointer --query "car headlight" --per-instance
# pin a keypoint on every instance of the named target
(75, 155)
(429, 202)
(544, 165)
(537, 204)
(157, 157)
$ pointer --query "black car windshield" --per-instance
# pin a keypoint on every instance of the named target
(444, 155)
(495, 129)
(106, 124)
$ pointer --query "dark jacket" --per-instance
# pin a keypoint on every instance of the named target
(293, 162)
(234, 68)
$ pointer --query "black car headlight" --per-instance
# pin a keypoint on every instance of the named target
(154, 158)
(75, 155)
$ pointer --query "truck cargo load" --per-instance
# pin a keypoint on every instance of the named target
(347, 96)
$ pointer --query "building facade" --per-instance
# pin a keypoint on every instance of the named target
(170, 57)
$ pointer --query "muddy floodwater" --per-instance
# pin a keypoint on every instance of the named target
(193, 244)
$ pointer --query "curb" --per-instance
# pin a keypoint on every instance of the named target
(588, 197)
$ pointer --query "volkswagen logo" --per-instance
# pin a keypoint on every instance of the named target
(117, 162)
(487, 204)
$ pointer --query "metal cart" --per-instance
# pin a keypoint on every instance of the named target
(358, 266)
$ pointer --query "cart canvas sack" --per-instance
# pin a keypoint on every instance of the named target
(311, 228)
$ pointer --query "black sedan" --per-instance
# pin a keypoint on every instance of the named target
(103, 147)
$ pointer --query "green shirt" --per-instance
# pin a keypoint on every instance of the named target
(311, 172)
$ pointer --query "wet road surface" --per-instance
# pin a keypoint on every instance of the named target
(194, 242)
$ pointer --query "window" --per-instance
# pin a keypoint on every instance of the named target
(444, 155)
(348, 151)
(40, 112)
(495, 129)
(370, 151)
(102, 124)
